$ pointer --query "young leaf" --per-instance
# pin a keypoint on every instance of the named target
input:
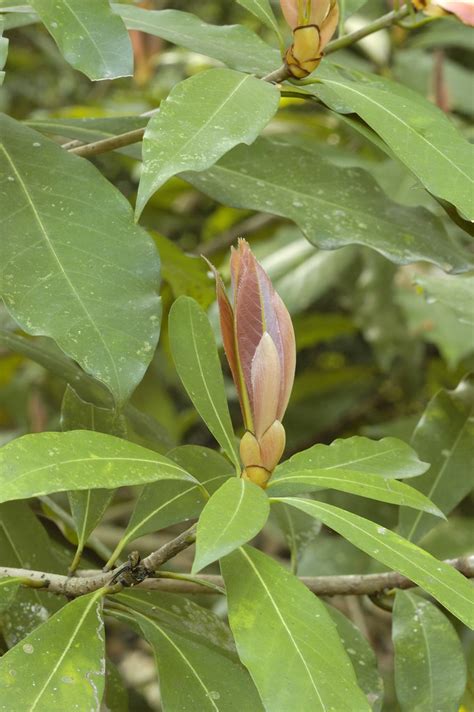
(208, 681)
(233, 45)
(164, 503)
(89, 35)
(88, 507)
(56, 462)
(286, 638)
(430, 670)
(63, 661)
(442, 581)
(444, 437)
(233, 516)
(197, 362)
(25, 544)
(203, 118)
(362, 657)
(263, 10)
(333, 206)
(324, 466)
(94, 285)
(419, 133)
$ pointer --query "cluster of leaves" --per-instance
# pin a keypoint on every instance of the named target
(362, 194)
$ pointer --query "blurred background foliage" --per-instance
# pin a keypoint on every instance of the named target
(374, 346)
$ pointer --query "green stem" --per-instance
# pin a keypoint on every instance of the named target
(191, 579)
(381, 23)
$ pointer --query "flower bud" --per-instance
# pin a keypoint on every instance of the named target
(462, 9)
(313, 23)
(259, 343)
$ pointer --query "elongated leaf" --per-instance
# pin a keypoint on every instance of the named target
(362, 657)
(333, 206)
(234, 45)
(430, 670)
(181, 615)
(443, 582)
(195, 677)
(186, 274)
(8, 590)
(358, 467)
(263, 10)
(457, 293)
(414, 128)
(286, 638)
(298, 528)
(75, 267)
(78, 460)
(444, 437)
(203, 118)
(88, 507)
(233, 516)
(164, 503)
(197, 362)
(25, 544)
(89, 35)
(63, 661)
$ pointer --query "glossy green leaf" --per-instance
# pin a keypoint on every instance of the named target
(234, 45)
(457, 293)
(342, 466)
(76, 268)
(63, 661)
(203, 118)
(56, 462)
(233, 516)
(333, 206)
(8, 590)
(89, 36)
(414, 128)
(196, 677)
(182, 615)
(444, 437)
(263, 10)
(430, 670)
(362, 657)
(88, 507)
(197, 362)
(286, 638)
(25, 544)
(162, 504)
(442, 581)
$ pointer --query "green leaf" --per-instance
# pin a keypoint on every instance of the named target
(3, 50)
(442, 581)
(63, 661)
(263, 10)
(419, 133)
(197, 362)
(8, 590)
(186, 274)
(94, 284)
(430, 671)
(233, 516)
(164, 503)
(358, 466)
(234, 45)
(115, 694)
(286, 638)
(89, 36)
(56, 462)
(203, 118)
(333, 206)
(208, 681)
(181, 615)
(88, 507)
(444, 437)
(25, 544)
(298, 528)
(457, 293)
(362, 657)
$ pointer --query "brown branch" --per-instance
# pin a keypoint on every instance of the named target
(351, 585)
(108, 144)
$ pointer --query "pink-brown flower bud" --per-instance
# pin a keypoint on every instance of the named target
(462, 9)
(259, 343)
(313, 23)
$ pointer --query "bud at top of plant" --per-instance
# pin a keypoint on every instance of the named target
(463, 9)
(313, 23)
(259, 343)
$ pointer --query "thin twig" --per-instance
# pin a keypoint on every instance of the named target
(381, 23)
(351, 585)
(109, 144)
